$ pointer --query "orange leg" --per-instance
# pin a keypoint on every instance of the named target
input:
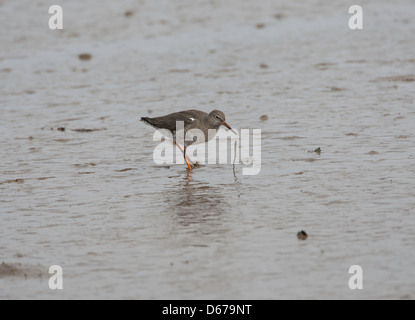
(185, 159)
(184, 155)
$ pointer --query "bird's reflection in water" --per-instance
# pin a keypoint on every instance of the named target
(197, 207)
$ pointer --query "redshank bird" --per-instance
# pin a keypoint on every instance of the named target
(192, 119)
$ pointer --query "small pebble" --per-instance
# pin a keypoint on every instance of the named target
(84, 56)
(302, 235)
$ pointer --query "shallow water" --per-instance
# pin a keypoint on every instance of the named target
(121, 226)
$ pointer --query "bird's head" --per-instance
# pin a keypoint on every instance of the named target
(218, 119)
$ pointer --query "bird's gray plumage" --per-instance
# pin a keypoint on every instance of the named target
(192, 119)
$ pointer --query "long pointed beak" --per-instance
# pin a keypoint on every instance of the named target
(228, 126)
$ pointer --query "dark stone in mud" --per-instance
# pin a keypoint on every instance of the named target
(85, 56)
(86, 130)
(8, 270)
(13, 181)
(302, 235)
(123, 170)
(19, 270)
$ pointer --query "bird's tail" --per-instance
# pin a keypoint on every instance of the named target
(145, 119)
(148, 121)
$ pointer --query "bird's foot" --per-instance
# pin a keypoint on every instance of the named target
(191, 160)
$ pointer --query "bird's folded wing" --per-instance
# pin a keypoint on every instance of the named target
(169, 122)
